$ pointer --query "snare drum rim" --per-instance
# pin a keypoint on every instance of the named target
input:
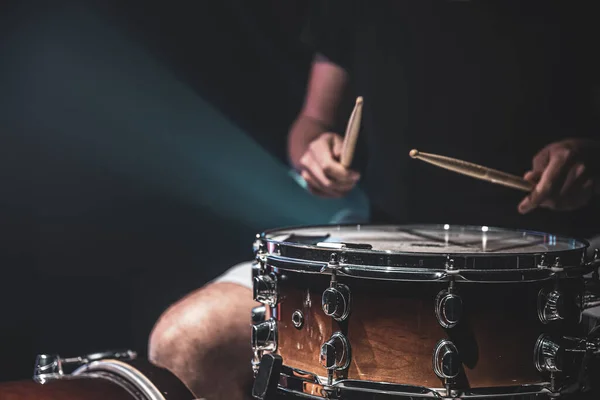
(308, 385)
(424, 266)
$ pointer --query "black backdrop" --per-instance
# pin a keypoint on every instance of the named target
(90, 257)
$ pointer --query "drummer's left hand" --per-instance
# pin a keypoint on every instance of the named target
(564, 174)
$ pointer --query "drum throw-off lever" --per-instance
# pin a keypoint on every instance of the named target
(267, 377)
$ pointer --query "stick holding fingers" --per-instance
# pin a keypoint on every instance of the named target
(351, 135)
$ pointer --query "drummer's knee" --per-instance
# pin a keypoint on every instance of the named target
(205, 334)
(171, 336)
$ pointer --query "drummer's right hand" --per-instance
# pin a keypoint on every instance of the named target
(321, 168)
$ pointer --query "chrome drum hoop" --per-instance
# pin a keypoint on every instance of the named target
(124, 375)
(357, 261)
(307, 385)
(411, 274)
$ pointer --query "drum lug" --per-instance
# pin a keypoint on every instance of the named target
(448, 304)
(448, 308)
(265, 289)
(335, 353)
(446, 363)
(547, 355)
(259, 314)
(51, 366)
(336, 301)
(264, 336)
(550, 306)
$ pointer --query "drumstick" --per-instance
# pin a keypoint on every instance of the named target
(474, 170)
(352, 133)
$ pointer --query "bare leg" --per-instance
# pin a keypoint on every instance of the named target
(204, 339)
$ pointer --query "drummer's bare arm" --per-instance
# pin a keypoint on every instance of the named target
(312, 149)
(326, 86)
(204, 339)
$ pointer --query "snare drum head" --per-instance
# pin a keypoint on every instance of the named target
(426, 246)
(426, 239)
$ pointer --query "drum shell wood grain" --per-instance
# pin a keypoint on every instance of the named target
(88, 387)
(392, 329)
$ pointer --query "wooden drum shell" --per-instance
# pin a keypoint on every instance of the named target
(73, 389)
(392, 329)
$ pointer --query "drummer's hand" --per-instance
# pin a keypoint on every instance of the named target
(564, 175)
(321, 168)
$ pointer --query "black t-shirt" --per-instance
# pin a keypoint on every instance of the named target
(490, 82)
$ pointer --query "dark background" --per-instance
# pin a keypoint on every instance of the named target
(142, 147)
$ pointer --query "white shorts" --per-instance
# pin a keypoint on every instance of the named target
(240, 274)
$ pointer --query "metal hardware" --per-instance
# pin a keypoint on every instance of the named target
(265, 289)
(547, 355)
(446, 362)
(267, 377)
(542, 262)
(590, 297)
(258, 244)
(306, 385)
(595, 263)
(450, 269)
(259, 314)
(589, 300)
(479, 269)
(336, 301)
(469, 264)
(260, 252)
(551, 306)
(448, 308)
(47, 367)
(335, 353)
(412, 274)
(264, 336)
(52, 366)
(332, 266)
(340, 245)
(124, 375)
(558, 267)
(298, 319)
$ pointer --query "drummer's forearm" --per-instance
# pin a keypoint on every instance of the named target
(205, 341)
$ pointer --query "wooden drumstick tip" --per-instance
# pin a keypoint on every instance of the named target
(359, 100)
(413, 153)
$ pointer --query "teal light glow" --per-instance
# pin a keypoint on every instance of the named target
(86, 92)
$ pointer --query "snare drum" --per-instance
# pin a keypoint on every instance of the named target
(114, 375)
(373, 312)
